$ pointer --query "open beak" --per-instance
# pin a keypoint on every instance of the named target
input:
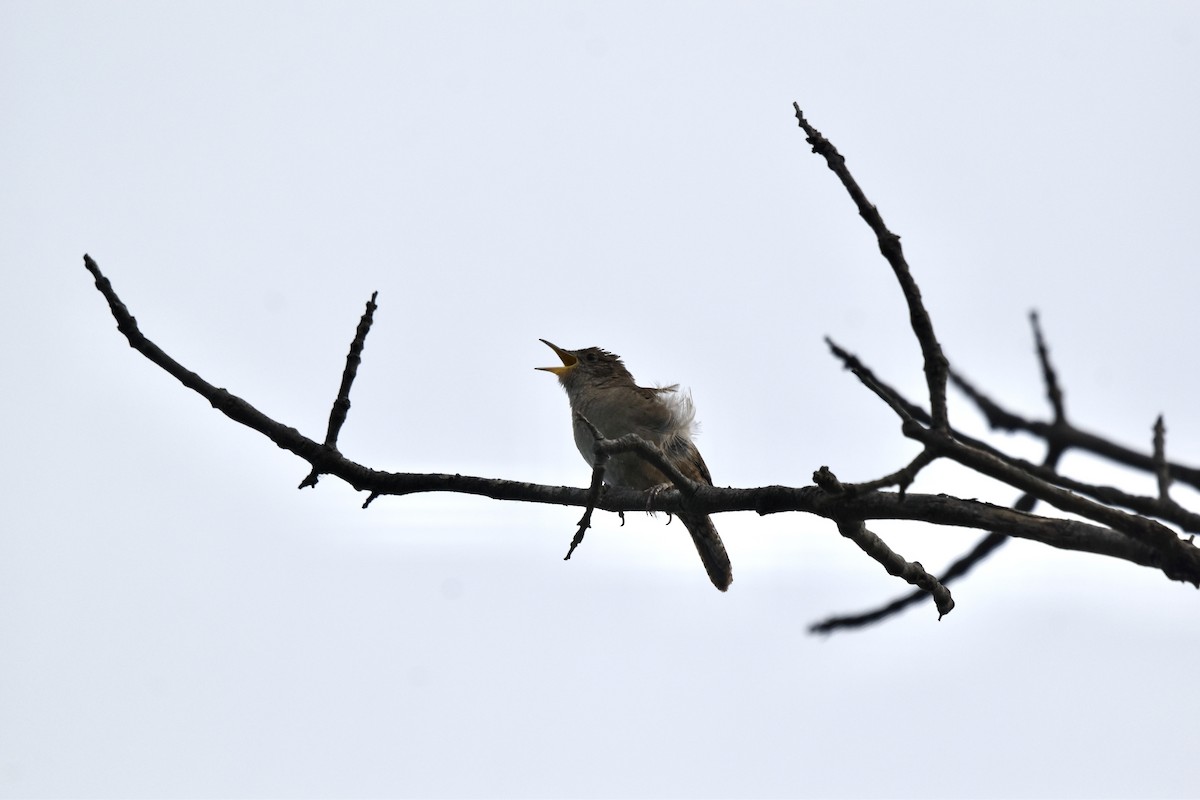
(568, 358)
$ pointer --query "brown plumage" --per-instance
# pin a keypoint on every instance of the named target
(600, 388)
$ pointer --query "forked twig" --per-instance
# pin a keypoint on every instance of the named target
(341, 404)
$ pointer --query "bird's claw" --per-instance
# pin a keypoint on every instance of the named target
(652, 493)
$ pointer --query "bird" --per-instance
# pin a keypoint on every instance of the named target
(601, 389)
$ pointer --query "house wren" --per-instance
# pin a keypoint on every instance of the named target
(601, 389)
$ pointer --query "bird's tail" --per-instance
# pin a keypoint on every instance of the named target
(711, 549)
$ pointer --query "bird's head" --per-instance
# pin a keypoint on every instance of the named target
(590, 366)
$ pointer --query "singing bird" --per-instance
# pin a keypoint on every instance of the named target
(602, 390)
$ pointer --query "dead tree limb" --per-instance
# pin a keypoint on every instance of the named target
(993, 541)
(1115, 524)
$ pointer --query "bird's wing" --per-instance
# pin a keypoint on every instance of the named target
(649, 411)
(685, 456)
(676, 419)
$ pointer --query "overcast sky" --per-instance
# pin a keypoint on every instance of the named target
(176, 620)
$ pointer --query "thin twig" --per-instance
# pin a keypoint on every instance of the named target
(599, 464)
(903, 477)
(868, 379)
(986, 546)
(1054, 393)
(911, 571)
(227, 403)
(936, 366)
(856, 530)
(341, 404)
(1162, 470)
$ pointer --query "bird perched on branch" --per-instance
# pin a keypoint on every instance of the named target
(601, 390)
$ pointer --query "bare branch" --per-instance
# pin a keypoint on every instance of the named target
(910, 571)
(1174, 554)
(936, 366)
(228, 404)
(341, 405)
(904, 476)
(599, 464)
(1054, 392)
(986, 546)
(1136, 539)
(906, 410)
(1162, 470)
(903, 408)
(996, 416)
(936, 509)
(1063, 434)
(960, 568)
(855, 530)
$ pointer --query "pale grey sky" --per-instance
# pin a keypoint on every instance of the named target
(176, 620)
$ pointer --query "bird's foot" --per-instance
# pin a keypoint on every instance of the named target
(653, 492)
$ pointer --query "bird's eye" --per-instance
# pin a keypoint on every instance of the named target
(591, 357)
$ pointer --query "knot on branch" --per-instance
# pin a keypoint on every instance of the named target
(825, 478)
